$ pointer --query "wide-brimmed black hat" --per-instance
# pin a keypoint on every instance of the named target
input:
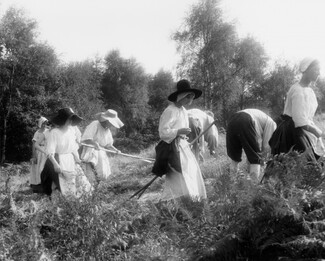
(63, 114)
(184, 86)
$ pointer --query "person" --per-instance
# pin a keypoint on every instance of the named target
(99, 135)
(204, 119)
(39, 154)
(174, 156)
(251, 130)
(60, 171)
(297, 129)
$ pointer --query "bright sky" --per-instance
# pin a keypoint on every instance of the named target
(80, 29)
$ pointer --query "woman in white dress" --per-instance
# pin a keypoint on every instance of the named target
(39, 155)
(298, 130)
(63, 151)
(183, 174)
(99, 135)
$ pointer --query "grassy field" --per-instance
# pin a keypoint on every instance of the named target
(241, 220)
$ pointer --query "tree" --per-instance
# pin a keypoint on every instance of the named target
(125, 89)
(275, 86)
(206, 45)
(27, 69)
(160, 86)
(216, 61)
(250, 62)
(81, 88)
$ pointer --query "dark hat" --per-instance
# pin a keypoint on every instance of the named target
(184, 86)
(63, 114)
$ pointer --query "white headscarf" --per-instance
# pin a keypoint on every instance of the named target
(40, 121)
(305, 63)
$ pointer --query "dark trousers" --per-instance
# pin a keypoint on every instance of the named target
(242, 135)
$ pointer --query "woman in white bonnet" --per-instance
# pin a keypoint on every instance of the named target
(39, 153)
(298, 129)
(99, 135)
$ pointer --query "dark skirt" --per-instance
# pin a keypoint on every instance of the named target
(287, 137)
(49, 176)
(167, 155)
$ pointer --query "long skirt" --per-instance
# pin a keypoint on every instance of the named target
(287, 137)
(36, 169)
(99, 160)
(189, 182)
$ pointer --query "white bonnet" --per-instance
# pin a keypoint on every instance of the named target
(40, 121)
(305, 63)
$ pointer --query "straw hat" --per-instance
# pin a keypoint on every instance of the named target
(111, 116)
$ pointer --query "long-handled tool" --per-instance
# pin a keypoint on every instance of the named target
(143, 189)
(149, 160)
(202, 133)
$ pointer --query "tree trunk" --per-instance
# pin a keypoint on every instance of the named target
(3, 139)
(7, 103)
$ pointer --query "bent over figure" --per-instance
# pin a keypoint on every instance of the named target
(251, 130)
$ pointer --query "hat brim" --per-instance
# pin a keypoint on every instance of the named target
(116, 122)
(173, 97)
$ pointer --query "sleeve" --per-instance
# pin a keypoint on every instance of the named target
(166, 131)
(270, 127)
(299, 109)
(90, 131)
(78, 134)
(51, 142)
(35, 137)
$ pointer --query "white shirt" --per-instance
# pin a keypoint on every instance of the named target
(172, 119)
(264, 126)
(301, 105)
(95, 131)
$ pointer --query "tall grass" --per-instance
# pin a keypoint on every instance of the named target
(240, 218)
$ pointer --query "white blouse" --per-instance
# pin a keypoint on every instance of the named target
(63, 142)
(301, 105)
(264, 126)
(95, 131)
(172, 119)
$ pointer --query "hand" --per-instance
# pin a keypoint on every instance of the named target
(96, 145)
(183, 131)
(33, 161)
(57, 168)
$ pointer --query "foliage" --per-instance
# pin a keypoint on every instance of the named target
(159, 87)
(224, 67)
(28, 67)
(80, 88)
(124, 87)
(275, 86)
